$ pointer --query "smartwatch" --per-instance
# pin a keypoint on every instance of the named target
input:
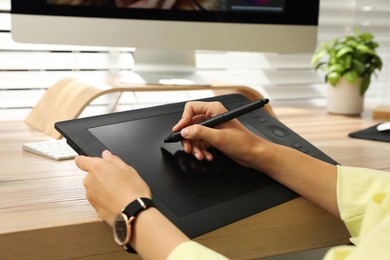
(123, 221)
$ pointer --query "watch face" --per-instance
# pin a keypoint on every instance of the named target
(121, 229)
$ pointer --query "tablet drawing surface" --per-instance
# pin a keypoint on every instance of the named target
(185, 184)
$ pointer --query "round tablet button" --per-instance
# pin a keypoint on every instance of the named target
(278, 132)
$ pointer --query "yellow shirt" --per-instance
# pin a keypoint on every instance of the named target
(363, 198)
(191, 250)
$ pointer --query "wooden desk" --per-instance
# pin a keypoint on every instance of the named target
(44, 213)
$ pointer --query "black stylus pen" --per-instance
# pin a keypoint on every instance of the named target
(222, 118)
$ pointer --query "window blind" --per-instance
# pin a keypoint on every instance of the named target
(27, 70)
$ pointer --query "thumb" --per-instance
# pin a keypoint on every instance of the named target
(199, 132)
(108, 156)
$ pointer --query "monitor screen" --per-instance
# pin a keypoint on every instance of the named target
(169, 31)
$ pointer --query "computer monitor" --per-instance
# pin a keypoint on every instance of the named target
(166, 33)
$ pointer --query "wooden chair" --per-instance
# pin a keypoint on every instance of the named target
(67, 98)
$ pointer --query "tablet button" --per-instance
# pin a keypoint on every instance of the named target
(296, 145)
(278, 131)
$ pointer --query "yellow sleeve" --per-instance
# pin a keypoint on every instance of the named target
(374, 240)
(364, 203)
(355, 187)
(191, 250)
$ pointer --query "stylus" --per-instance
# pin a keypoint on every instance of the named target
(222, 118)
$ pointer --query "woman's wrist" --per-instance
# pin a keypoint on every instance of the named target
(154, 236)
(261, 155)
(302, 173)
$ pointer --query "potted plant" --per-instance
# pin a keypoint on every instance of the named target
(351, 61)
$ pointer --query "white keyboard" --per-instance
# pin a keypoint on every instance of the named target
(53, 149)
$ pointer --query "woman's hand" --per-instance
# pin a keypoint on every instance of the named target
(231, 138)
(111, 184)
(310, 177)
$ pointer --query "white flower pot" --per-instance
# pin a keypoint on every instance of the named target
(345, 98)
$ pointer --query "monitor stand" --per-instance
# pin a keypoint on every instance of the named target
(165, 67)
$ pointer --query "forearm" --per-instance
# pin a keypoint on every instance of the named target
(154, 236)
(308, 176)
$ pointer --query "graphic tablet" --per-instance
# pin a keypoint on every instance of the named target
(196, 196)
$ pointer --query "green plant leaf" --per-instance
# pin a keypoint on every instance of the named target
(377, 62)
(333, 60)
(348, 62)
(318, 56)
(336, 68)
(333, 78)
(365, 49)
(365, 84)
(343, 51)
(351, 41)
(351, 76)
(324, 45)
(319, 65)
(366, 36)
(358, 66)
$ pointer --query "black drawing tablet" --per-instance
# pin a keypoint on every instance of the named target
(196, 196)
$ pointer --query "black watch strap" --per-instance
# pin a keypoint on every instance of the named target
(132, 210)
(138, 205)
(128, 248)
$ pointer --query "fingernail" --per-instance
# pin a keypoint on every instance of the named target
(106, 153)
(185, 132)
(196, 154)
